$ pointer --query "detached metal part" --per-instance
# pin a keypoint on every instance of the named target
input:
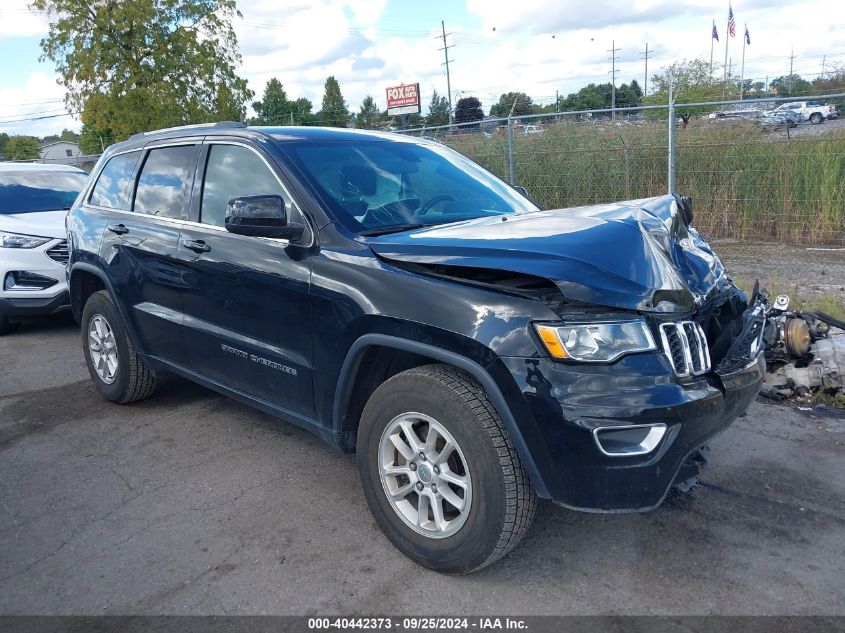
(803, 353)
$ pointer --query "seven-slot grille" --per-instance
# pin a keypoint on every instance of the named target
(686, 347)
(59, 252)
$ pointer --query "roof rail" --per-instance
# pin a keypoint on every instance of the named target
(218, 124)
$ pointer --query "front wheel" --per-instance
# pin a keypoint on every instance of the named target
(439, 471)
(117, 371)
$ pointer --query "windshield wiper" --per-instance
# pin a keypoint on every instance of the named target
(387, 230)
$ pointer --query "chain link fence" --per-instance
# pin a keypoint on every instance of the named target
(752, 175)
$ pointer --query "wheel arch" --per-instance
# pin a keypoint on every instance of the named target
(418, 353)
(86, 279)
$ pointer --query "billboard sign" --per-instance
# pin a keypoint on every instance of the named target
(404, 99)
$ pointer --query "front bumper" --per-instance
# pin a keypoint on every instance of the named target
(568, 402)
(33, 302)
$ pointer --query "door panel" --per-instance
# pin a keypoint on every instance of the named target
(145, 272)
(245, 299)
(247, 316)
(141, 249)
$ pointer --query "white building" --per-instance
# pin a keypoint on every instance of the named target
(64, 152)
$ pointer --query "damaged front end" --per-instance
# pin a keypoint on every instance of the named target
(805, 353)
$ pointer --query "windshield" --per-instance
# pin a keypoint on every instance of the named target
(376, 186)
(31, 191)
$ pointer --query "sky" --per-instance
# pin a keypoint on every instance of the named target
(532, 46)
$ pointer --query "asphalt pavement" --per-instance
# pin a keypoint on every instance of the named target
(190, 503)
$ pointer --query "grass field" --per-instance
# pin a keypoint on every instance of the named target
(745, 182)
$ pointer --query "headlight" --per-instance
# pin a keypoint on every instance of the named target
(596, 342)
(13, 240)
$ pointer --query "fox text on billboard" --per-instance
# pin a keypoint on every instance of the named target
(404, 99)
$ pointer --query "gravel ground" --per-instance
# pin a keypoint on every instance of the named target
(808, 272)
(189, 503)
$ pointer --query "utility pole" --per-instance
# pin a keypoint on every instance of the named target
(824, 59)
(613, 50)
(445, 50)
(645, 74)
(791, 59)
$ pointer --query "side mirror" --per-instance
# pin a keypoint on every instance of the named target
(261, 216)
(524, 193)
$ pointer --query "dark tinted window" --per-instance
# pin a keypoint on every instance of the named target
(233, 171)
(114, 184)
(165, 182)
(33, 190)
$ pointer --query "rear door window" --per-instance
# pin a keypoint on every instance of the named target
(114, 183)
(164, 185)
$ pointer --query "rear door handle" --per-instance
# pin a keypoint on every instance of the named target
(198, 246)
(118, 228)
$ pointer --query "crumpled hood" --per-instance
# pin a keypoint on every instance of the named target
(636, 255)
(40, 223)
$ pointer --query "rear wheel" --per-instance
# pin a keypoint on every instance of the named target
(117, 371)
(440, 473)
(816, 118)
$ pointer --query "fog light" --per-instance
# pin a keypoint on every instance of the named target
(22, 280)
(630, 440)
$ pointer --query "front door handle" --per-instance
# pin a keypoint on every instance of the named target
(198, 246)
(120, 229)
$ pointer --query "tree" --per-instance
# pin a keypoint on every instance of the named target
(788, 85)
(369, 115)
(69, 135)
(467, 110)
(274, 107)
(334, 112)
(692, 84)
(22, 148)
(135, 66)
(519, 101)
(438, 110)
(4, 138)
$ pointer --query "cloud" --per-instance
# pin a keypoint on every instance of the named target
(17, 20)
(41, 99)
(368, 63)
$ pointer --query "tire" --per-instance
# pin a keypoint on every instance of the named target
(499, 501)
(7, 326)
(816, 118)
(131, 380)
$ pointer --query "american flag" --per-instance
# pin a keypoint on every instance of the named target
(731, 22)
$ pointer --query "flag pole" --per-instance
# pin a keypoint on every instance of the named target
(742, 72)
(727, 39)
(711, 51)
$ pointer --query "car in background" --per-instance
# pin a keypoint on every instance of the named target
(783, 118)
(34, 200)
(532, 129)
(811, 111)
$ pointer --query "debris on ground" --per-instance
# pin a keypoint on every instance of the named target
(805, 354)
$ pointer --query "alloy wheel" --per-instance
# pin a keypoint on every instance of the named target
(102, 346)
(425, 475)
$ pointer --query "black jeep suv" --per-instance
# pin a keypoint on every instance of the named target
(396, 299)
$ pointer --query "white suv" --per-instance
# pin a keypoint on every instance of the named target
(34, 200)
